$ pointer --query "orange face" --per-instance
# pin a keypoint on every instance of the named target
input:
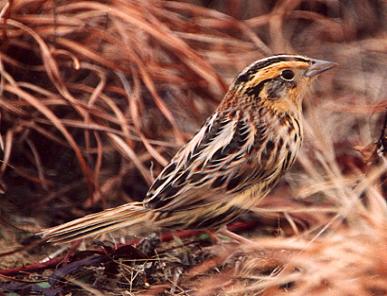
(278, 83)
(284, 86)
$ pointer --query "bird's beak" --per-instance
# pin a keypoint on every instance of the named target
(317, 67)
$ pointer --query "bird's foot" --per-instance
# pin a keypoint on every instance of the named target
(234, 236)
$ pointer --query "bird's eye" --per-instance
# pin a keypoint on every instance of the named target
(287, 74)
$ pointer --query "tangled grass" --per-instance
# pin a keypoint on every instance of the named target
(96, 96)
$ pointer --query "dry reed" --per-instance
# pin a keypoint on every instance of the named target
(96, 96)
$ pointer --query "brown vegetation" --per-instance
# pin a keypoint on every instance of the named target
(96, 96)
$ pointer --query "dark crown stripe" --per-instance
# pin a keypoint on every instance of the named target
(276, 59)
(253, 68)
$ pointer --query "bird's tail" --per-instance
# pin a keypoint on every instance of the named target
(133, 216)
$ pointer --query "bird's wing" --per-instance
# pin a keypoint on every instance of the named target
(219, 161)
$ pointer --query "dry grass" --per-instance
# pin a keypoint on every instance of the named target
(97, 96)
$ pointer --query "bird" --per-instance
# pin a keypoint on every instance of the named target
(228, 166)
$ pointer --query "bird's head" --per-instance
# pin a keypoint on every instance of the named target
(277, 83)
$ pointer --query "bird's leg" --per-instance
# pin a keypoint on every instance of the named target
(149, 243)
(236, 237)
(212, 234)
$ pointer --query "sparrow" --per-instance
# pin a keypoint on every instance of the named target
(229, 165)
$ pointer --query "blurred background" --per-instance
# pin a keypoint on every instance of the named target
(96, 97)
